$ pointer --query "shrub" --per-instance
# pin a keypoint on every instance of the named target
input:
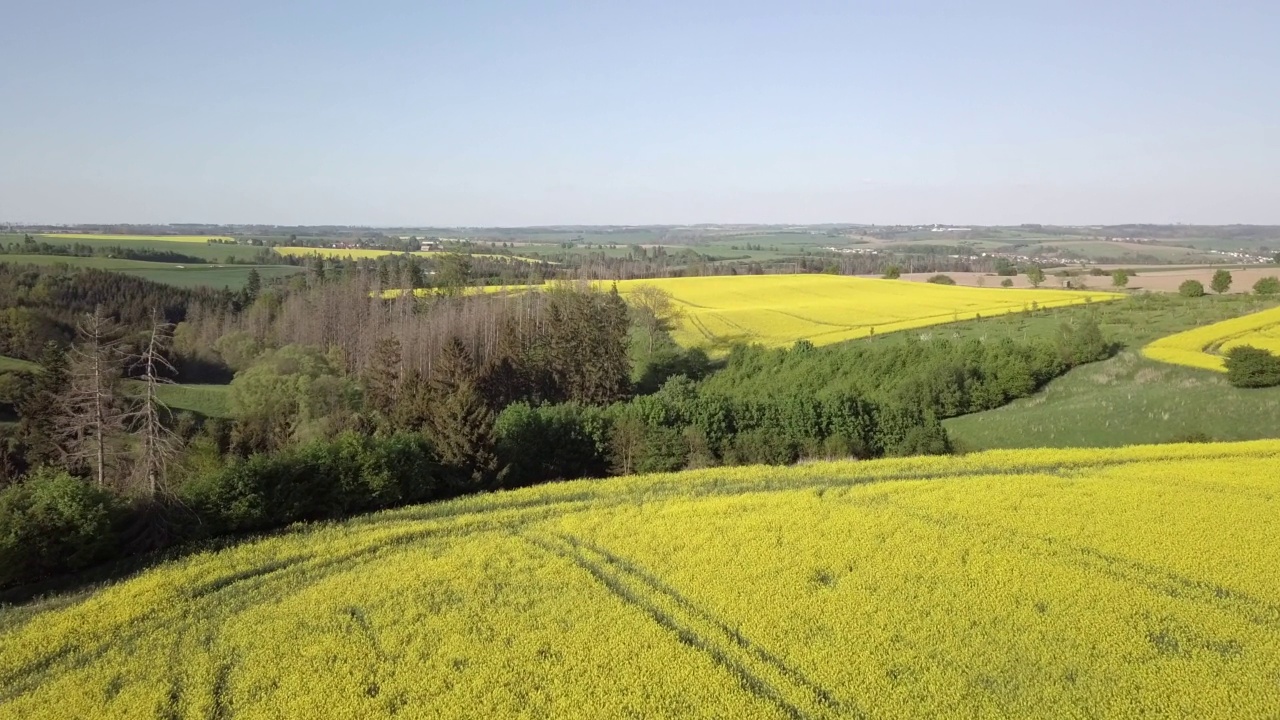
(53, 523)
(893, 272)
(1191, 289)
(1221, 281)
(1267, 286)
(1120, 278)
(318, 481)
(942, 280)
(923, 440)
(1251, 367)
(763, 446)
(553, 442)
(1082, 342)
(664, 450)
(1007, 282)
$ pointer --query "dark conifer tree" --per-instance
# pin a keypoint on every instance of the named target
(382, 380)
(38, 407)
(460, 422)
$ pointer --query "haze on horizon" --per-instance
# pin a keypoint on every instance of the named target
(516, 114)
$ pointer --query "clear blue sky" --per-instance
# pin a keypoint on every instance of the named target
(492, 113)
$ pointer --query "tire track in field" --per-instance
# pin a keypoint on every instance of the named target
(231, 593)
(656, 584)
(701, 327)
(225, 596)
(758, 671)
(812, 321)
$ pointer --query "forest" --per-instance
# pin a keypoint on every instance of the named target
(345, 398)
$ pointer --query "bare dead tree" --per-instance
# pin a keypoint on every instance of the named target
(656, 310)
(91, 422)
(149, 421)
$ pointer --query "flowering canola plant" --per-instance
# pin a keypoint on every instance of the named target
(778, 310)
(362, 253)
(1205, 347)
(1048, 583)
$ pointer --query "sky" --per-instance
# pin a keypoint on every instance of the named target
(482, 113)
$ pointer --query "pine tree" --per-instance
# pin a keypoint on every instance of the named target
(38, 407)
(383, 378)
(506, 377)
(413, 405)
(459, 421)
(253, 285)
(462, 429)
(317, 267)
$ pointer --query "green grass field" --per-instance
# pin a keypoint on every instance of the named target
(1127, 399)
(105, 237)
(177, 274)
(1124, 252)
(210, 252)
(208, 400)
(9, 364)
(1124, 401)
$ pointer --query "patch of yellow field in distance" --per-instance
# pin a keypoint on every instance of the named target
(777, 310)
(1024, 583)
(359, 253)
(1205, 347)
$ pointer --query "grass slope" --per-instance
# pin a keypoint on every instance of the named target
(9, 364)
(1128, 399)
(1124, 401)
(1004, 584)
(207, 400)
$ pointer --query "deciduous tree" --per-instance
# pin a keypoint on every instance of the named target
(654, 310)
(1221, 281)
(1267, 286)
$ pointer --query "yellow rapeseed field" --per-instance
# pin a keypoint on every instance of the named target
(1205, 347)
(1042, 583)
(359, 253)
(777, 310)
(165, 238)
